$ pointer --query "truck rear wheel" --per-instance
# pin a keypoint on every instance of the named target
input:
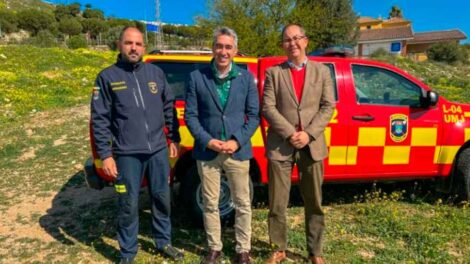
(462, 177)
(191, 196)
(91, 176)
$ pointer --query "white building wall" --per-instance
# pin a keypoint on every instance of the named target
(369, 48)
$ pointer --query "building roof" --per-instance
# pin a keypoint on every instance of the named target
(361, 20)
(438, 36)
(396, 20)
(385, 34)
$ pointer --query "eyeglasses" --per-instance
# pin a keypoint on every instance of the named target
(294, 38)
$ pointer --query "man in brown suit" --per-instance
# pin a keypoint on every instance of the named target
(298, 102)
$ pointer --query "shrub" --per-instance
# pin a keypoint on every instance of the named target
(76, 42)
(70, 26)
(8, 21)
(449, 52)
(380, 52)
(34, 21)
(43, 39)
(111, 37)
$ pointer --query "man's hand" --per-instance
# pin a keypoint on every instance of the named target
(174, 149)
(230, 146)
(109, 167)
(215, 145)
(299, 139)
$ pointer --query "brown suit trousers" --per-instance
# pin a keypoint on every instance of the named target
(285, 115)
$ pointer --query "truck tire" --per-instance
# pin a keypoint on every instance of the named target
(462, 177)
(191, 196)
(92, 179)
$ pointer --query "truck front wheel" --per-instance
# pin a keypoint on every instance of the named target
(462, 178)
(191, 196)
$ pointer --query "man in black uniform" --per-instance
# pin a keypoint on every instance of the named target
(131, 108)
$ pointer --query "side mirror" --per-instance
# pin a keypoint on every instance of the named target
(430, 99)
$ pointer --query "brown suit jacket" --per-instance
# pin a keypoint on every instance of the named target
(285, 114)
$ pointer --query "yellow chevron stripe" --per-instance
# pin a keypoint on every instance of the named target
(257, 138)
(352, 156)
(445, 154)
(195, 58)
(337, 155)
(98, 163)
(187, 139)
(396, 155)
(423, 136)
(328, 136)
(371, 137)
(467, 134)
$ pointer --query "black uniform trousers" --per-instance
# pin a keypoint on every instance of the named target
(131, 169)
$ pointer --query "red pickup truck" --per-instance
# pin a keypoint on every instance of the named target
(387, 126)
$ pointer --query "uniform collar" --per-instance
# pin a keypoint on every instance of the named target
(127, 66)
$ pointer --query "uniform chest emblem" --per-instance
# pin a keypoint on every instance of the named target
(398, 127)
(153, 87)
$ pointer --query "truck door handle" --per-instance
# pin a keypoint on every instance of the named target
(363, 117)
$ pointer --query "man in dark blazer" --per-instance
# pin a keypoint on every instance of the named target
(222, 113)
(298, 102)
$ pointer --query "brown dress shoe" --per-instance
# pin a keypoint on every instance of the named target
(276, 257)
(212, 258)
(243, 258)
(316, 260)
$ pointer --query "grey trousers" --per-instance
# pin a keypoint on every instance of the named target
(311, 180)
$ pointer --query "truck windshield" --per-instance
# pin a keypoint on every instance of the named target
(177, 74)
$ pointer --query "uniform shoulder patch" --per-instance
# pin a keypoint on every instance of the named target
(96, 92)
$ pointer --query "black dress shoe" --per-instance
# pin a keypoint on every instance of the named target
(171, 252)
(213, 257)
(243, 258)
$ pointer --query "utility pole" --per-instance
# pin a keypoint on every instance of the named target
(158, 34)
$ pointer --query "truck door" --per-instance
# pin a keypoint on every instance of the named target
(392, 135)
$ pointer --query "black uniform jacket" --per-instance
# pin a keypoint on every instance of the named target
(132, 107)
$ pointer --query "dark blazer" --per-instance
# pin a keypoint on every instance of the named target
(284, 113)
(204, 115)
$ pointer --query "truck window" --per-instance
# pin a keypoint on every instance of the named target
(177, 74)
(380, 86)
(333, 78)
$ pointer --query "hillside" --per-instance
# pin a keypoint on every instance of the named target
(25, 4)
(50, 216)
(34, 79)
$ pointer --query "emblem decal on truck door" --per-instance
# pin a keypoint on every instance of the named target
(398, 127)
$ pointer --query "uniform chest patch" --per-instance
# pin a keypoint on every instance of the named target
(153, 87)
(398, 127)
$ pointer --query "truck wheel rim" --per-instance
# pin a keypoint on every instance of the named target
(225, 201)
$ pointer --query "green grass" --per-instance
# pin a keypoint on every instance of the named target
(49, 216)
(36, 79)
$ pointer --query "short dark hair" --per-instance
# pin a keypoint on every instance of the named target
(302, 30)
(121, 35)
